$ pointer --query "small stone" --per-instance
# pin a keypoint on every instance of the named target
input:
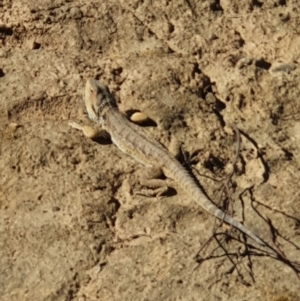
(33, 45)
(210, 98)
(13, 125)
(283, 67)
(139, 117)
(75, 13)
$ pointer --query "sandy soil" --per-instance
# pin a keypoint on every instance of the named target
(71, 226)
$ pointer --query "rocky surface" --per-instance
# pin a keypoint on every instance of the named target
(71, 227)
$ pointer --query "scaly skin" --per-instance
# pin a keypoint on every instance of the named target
(134, 141)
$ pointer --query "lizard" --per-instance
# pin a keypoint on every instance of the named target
(136, 142)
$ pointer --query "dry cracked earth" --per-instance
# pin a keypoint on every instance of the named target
(72, 227)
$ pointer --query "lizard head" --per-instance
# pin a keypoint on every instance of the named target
(98, 99)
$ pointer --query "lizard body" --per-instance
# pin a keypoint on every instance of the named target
(134, 141)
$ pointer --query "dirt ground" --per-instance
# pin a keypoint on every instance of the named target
(71, 227)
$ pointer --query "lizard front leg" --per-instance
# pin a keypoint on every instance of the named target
(89, 131)
(92, 132)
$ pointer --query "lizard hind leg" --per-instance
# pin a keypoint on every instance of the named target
(155, 187)
(175, 148)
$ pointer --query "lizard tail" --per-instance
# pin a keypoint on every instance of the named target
(181, 176)
(230, 220)
(210, 207)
